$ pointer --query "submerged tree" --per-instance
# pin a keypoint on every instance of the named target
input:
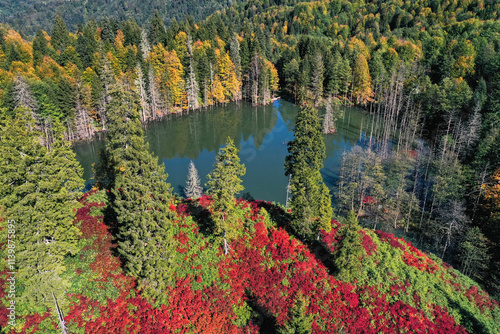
(193, 187)
(140, 198)
(224, 182)
(330, 118)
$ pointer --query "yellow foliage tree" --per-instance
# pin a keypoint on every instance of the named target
(362, 81)
(24, 49)
(492, 194)
(49, 69)
(227, 76)
(181, 45)
(169, 71)
(121, 51)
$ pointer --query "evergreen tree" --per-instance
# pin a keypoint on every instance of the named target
(349, 255)
(317, 78)
(38, 195)
(86, 44)
(223, 183)
(157, 32)
(291, 72)
(473, 252)
(325, 210)
(193, 187)
(60, 35)
(140, 198)
(299, 321)
(40, 47)
(305, 159)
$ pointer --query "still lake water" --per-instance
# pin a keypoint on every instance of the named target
(261, 134)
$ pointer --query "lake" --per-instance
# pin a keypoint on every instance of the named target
(261, 134)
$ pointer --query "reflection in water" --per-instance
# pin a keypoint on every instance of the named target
(261, 134)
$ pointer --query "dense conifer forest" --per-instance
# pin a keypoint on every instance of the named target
(407, 241)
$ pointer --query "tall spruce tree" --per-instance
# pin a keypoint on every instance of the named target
(224, 182)
(305, 159)
(193, 187)
(140, 197)
(300, 322)
(60, 34)
(349, 255)
(40, 47)
(38, 197)
(157, 33)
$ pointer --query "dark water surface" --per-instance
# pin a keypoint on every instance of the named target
(261, 134)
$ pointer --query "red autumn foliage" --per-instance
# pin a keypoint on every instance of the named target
(267, 266)
(368, 244)
(369, 200)
(480, 299)
(93, 228)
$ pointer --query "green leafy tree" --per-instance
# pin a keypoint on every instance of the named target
(224, 182)
(38, 196)
(140, 198)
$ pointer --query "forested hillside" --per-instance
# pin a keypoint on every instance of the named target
(26, 16)
(426, 168)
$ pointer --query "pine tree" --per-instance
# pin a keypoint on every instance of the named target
(60, 34)
(140, 198)
(349, 255)
(86, 44)
(40, 47)
(291, 73)
(305, 159)
(473, 252)
(38, 192)
(157, 33)
(300, 322)
(193, 187)
(317, 78)
(325, 210)
(223, 183)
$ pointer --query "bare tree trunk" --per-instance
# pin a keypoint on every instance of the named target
(60, 315)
